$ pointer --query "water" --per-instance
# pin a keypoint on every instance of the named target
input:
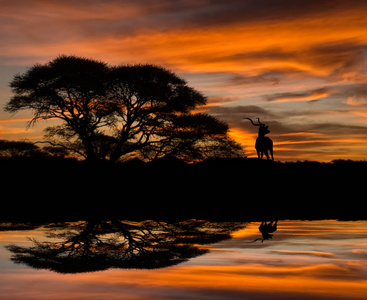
(190, 260)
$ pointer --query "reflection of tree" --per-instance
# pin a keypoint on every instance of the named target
(100, 245)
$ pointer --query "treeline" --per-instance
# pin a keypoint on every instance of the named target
(22, 149)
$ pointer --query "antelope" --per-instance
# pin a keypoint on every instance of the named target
(263, 143)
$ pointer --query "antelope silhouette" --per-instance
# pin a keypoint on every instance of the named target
(263, 143)
(266, 229)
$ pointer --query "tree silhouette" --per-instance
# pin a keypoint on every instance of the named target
(22, 149)
(112, 112)
(68, 88)
(100, 245)
(19, 149)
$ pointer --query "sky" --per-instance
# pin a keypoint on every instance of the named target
(299, 66)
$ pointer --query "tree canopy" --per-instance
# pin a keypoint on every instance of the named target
(114, 112)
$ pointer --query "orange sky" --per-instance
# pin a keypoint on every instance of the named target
(300, 66)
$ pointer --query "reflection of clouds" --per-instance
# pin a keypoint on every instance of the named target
(253, 281)
(321, 242)
(311, 253)
(361, 253)
(304, 260)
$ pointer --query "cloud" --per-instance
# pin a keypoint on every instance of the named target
(233, 112)
(277, 118)
(271, 77)
(342, 56)
(215, 101)
(233, 35)
(312, 95)
(235, 115)
(15, 120)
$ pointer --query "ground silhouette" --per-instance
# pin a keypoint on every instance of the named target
(215, 189)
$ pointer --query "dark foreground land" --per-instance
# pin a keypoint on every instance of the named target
(51, 189)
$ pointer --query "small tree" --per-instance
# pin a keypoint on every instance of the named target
(112, 112)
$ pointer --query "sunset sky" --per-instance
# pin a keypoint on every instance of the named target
(300, 66)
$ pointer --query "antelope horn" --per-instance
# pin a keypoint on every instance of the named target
(261, 124)
(253, 122)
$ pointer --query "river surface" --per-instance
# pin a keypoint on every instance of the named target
(194, 259)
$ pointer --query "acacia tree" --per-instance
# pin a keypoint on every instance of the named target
(68, 88)
(111, 112)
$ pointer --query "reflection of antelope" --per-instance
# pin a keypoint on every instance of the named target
(263, 143)
(266, 229)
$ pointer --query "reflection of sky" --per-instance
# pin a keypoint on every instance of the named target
(304, 260)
